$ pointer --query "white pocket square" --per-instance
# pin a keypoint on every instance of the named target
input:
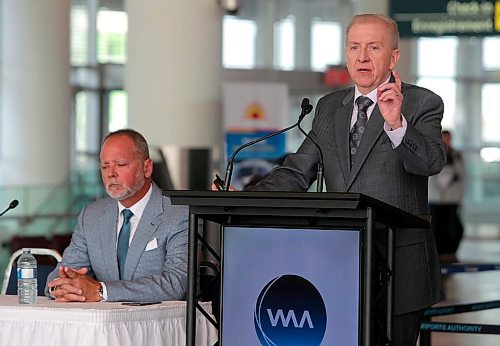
(153, 244)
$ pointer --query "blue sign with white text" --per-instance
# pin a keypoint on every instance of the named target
(269, 149)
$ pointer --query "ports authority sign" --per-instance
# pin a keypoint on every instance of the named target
(446, 17)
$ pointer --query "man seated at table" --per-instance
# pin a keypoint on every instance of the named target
(130, 247)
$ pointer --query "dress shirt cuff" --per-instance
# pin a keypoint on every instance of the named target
(396, 136)
(104, 291)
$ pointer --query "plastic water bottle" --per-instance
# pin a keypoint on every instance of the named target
(27, 289)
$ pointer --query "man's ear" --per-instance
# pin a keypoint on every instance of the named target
(394, 59)
(148, 168)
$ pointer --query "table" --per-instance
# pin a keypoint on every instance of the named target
(106, 323)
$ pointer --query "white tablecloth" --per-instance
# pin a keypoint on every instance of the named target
(50, 323)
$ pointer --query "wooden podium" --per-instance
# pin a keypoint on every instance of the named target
(376, 221)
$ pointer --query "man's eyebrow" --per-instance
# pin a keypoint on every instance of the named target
(115, 161)
(358, 42)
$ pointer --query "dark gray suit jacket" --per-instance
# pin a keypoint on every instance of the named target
(396, 176)
(156, 264)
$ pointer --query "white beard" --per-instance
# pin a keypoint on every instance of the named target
(128, 191)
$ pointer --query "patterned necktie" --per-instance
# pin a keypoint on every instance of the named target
(123, 240)
(359, 127)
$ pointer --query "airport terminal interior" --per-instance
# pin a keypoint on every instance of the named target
(74, 70)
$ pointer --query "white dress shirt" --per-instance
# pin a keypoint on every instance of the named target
(137, 209)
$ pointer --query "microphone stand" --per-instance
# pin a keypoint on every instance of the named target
(319, 175)
(229, 168)
(306, 109)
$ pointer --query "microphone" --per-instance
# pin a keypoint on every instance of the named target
(319, 174)
(306, 108)
(12, 205)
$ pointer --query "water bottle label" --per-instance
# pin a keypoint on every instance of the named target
(26, 273)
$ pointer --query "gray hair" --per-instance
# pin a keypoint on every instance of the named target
(390, 24)
(141, 145)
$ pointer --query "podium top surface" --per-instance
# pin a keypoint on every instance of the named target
(269, 195)
(295, 200)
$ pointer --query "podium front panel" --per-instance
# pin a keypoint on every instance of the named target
(290, 286)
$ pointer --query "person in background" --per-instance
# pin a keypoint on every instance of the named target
(381, 138)
(131, 246)
(446, 192)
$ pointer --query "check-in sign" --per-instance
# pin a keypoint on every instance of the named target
(446, 17)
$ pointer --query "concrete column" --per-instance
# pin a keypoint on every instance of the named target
(303, 29)
(35, 102)
(371, 6)
(266, 14)
(467, 129)
(173, 72)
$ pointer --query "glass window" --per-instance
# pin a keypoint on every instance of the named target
(326, 44)
(437, 74)
(491, 53)
(446, 88)
(79, 35)
(112, 27)
(81, 126)
(87, 122)
(490, 154)
(284, 44)
(429, 49)
(238, 43)
(117, 110)
(489, 110)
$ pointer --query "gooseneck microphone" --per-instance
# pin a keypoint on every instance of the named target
(12, 205)
(306, 108)
(319, 176)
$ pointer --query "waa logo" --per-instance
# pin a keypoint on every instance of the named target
(289, 317)
(290, 311)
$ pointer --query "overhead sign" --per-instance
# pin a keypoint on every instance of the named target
(446, 17)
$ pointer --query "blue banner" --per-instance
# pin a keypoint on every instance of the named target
(270, 149)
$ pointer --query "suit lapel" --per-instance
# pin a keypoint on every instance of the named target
(374, 129)
(108, 239)
(144, 233)
(342, 123)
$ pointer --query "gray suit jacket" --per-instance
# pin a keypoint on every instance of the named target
(396, 176)
(154, 275)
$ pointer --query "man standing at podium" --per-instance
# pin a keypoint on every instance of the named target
(381, 138)
(131, 246)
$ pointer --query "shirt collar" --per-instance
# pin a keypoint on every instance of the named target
(139, 207)
(372, 95)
